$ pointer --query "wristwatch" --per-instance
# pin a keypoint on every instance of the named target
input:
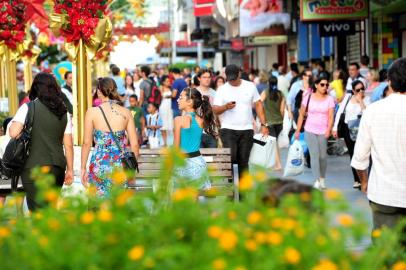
(264, 125)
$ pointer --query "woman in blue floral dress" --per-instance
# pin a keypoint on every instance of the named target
(106, 157)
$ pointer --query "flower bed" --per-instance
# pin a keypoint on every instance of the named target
(135, 231)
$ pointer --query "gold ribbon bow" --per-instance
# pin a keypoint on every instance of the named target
(97, 42)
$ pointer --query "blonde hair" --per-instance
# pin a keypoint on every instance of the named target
(263, 77)
(374, 75)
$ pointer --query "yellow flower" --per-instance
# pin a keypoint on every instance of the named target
(254, 217)
(277, 223)
(335, 234)
(251, 245)
(92, 191)
(289, 224)
(305, 196)
(299, 232)
(292, 211)
(37, 215)
(124, 197)
(228, 240)
(399, 266)
(332, 194)
(214, 231)
(119, 177)
(45, 169)
(345, 220)
(12, 222)
(43, 241)
(51, 196)
(219, 264)
(246, 182)
(292, 256)
(240, 268)
(136, 253)
(4, 232)
(260, 176)
(105, 215)
(325, 265)
(54, 224)
(274, 238)
(187, 193)
(212, 192)
(321, 240)
(87, 217)
(376, 233)
(260, 237)
(232, 215)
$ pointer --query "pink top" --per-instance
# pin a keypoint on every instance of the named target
(317, 114)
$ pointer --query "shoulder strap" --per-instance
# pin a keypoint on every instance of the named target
(348, 100)
(29, 119)
(308, 101)
(111, 131)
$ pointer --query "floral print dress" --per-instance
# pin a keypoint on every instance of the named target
(105, 159)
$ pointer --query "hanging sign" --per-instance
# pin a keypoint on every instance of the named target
(337, 28)
(316, 10)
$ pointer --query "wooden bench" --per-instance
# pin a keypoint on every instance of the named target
(223, 174)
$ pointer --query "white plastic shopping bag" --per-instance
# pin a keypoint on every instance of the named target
(75, 190)
(153, 142)
(283, 139)
(295, 162)
(263, 151)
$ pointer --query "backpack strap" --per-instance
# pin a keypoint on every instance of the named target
(29, 119)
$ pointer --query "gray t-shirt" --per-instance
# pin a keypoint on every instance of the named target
(146, 86)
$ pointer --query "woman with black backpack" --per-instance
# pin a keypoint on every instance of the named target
(51, 133)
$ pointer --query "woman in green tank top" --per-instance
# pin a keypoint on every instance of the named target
(274, 103)
(197, 116)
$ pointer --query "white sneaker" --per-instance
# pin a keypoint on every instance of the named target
(322, 182)
(316, 184)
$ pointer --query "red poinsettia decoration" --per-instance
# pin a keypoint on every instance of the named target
(12, 22)
(82, 17)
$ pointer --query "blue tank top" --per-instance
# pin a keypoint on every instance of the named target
(190, 138)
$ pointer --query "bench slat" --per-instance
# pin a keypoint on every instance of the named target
(212, 166)
(204, 151)
(208, 159)
(155, 173)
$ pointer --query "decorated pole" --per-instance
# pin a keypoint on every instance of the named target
(87, 31)
(12, 26)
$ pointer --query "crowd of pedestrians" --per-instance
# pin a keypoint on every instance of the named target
(207, 109)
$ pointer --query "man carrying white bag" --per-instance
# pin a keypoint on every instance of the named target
(263, 151)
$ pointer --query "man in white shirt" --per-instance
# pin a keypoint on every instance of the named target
(204, 77)
(233, 103)
(382, 135)
(353, 71)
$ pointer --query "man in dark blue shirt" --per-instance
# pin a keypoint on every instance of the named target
(177, 87)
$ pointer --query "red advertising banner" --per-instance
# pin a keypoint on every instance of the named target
(204, 7)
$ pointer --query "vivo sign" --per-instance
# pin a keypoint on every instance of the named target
(338, 28)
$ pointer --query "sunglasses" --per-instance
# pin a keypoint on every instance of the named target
(359, 89)
(324, 84)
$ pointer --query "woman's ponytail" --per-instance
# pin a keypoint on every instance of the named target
(206, 111)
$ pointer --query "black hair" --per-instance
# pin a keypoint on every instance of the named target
(317, 81)
(163, 79)
(322, 64)
(354, 64)
(154, 105)
(203, 109)
(132, 81)
(65, 76)
(146, 70)
(5, 123)
(397, 75)
(196, 81)
(365, 60)
(355, 83)
(176, 70)
(274, 93)
(202, 71)
(46, 89)
(275, 66)
(383, 75)
(134, 96)
(385, 92)
(294, 67)
(108, 87)
(115, 70)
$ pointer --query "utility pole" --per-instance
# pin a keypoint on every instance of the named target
(173, 6)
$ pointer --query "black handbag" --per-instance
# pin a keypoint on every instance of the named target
(341, 128)
(129, 160)
(305, 115)
(18, 149)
